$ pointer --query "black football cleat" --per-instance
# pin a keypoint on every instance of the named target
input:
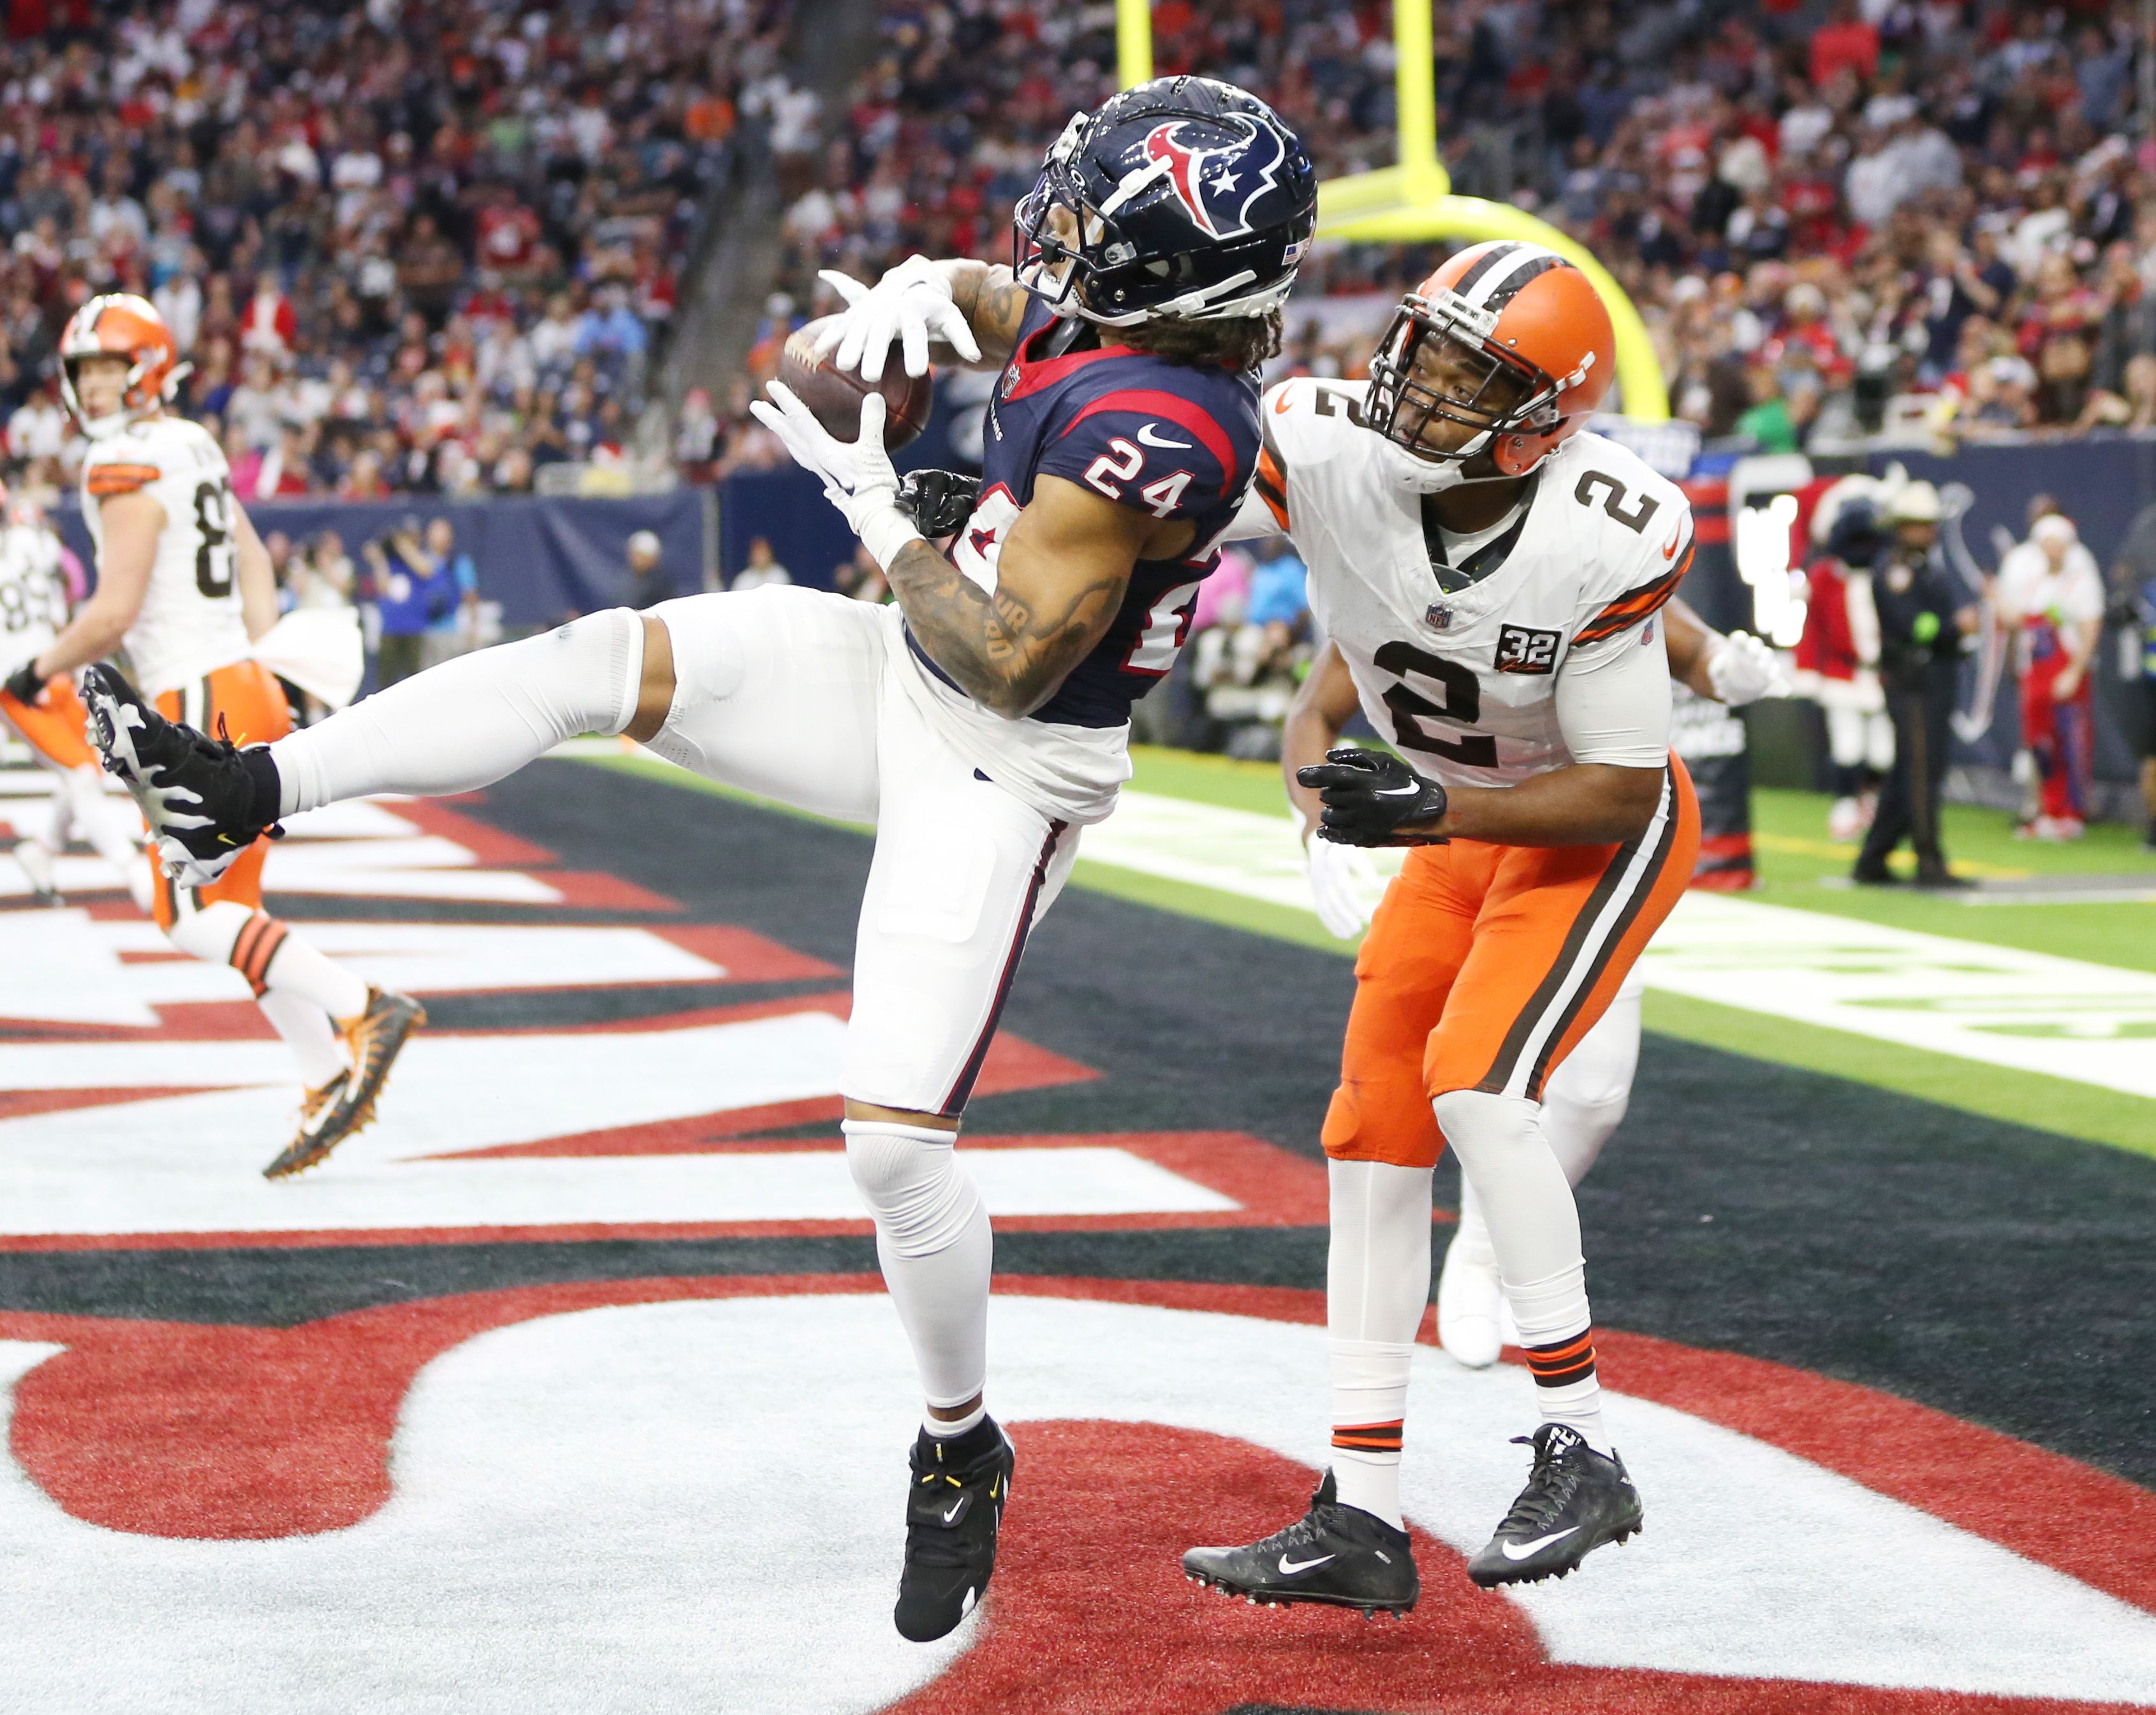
(1575, 1501)
(1336, 1555)
(199, 794)
(952, 1513)
(345, 1104)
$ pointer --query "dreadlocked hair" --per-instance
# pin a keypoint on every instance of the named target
(1237, 342)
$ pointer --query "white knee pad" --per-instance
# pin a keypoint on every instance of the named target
(1526, 1200)
(209, 933)
(909, 1176)
(1585, 1099)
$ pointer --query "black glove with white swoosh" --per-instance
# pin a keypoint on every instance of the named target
(1370, 796)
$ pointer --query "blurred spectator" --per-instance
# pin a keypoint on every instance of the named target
(2049, 596)
(2134, 588)
(861, 578)
(649, 583)
(762, 568)
(455, 629)
(410, 589)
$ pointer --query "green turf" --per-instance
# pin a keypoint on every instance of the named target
(1794, 859)
(1795, 855)
(2058, 1105)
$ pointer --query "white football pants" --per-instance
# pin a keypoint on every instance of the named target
(791, 694)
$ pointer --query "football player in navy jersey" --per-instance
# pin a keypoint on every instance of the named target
(978, 723)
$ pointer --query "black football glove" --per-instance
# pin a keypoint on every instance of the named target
(1369, 797)
(23, 684)
(939, 502)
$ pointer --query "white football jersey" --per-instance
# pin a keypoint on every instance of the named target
(190, 621)
(1464, 683)
(34, 606)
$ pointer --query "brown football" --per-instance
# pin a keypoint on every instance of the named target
(836, 394)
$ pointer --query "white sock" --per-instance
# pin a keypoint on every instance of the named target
(1533, 1224)
(1377, 1282)
(465, 724)
(296, 968)
(308, 1034)
(97, 818)
(933, 1240)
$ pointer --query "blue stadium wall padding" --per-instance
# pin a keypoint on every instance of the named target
(543, 560)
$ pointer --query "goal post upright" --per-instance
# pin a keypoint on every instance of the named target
(1412, 201)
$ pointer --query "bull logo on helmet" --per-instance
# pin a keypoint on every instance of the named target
(1218, 183)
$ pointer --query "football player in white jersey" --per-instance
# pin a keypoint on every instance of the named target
(185, 584)
(1585, 1096)
(979, 722)
(1492, 580)
(48, 716)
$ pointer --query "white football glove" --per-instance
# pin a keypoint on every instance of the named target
(911, 304)
(1743, 670)
(858, 479)
(1341, 878)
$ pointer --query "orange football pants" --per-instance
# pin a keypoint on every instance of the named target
(54, 728)
(1486, 965)
(246, 698)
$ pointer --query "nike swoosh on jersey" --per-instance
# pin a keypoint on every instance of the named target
(1146, 437)
(1671, 552)
(1520, 1551)
(1289, 1568)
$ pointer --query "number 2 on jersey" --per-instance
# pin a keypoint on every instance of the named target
(216, 559)
(1463, 703)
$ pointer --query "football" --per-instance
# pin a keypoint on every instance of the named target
(836, 394)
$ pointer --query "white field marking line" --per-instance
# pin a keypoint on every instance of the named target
(66, 966)
(558, 1472)
(192, 1163)
(2023, 1010)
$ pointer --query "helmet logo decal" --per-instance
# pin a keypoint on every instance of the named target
(1216, 183)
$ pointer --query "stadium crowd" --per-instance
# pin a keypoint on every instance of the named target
(439, 257)
(406, 248)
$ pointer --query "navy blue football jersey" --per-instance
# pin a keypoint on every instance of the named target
(1167, 439)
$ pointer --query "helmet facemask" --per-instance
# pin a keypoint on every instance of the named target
(1442, 387)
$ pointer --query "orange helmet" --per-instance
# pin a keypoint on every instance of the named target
(120, 324)
(1507, 339)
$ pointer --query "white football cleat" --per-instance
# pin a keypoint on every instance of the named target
(1845, 820)
(1470, 1300)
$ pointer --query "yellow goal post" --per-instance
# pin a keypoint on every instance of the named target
(1412, 203)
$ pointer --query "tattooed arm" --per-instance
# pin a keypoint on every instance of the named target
(1060, 580)
(994, 304)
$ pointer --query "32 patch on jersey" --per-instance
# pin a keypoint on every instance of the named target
(1523, 649)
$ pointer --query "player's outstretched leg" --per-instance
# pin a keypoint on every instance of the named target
(954, 1513)
(1341, 1556)
(1576, 1500)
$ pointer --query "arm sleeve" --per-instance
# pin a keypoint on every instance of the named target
(1613, 701)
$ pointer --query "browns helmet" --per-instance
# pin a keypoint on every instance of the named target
(1508, 341)
(120, 324)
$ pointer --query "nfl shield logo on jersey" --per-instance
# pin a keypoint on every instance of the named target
(1439, 615)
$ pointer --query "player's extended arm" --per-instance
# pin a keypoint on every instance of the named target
(129, 524)
(258, 577)
(1060, 580)
(1324, 703)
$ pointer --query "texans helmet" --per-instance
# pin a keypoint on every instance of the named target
(1184, 197)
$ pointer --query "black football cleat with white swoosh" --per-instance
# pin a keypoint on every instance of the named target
(1575, 1501)
(954, 1511)
(1336, 1554)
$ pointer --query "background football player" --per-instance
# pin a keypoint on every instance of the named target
(978, 723)
(1492, 580)
(48, 716)
(184, 583)
(1585, 1096)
